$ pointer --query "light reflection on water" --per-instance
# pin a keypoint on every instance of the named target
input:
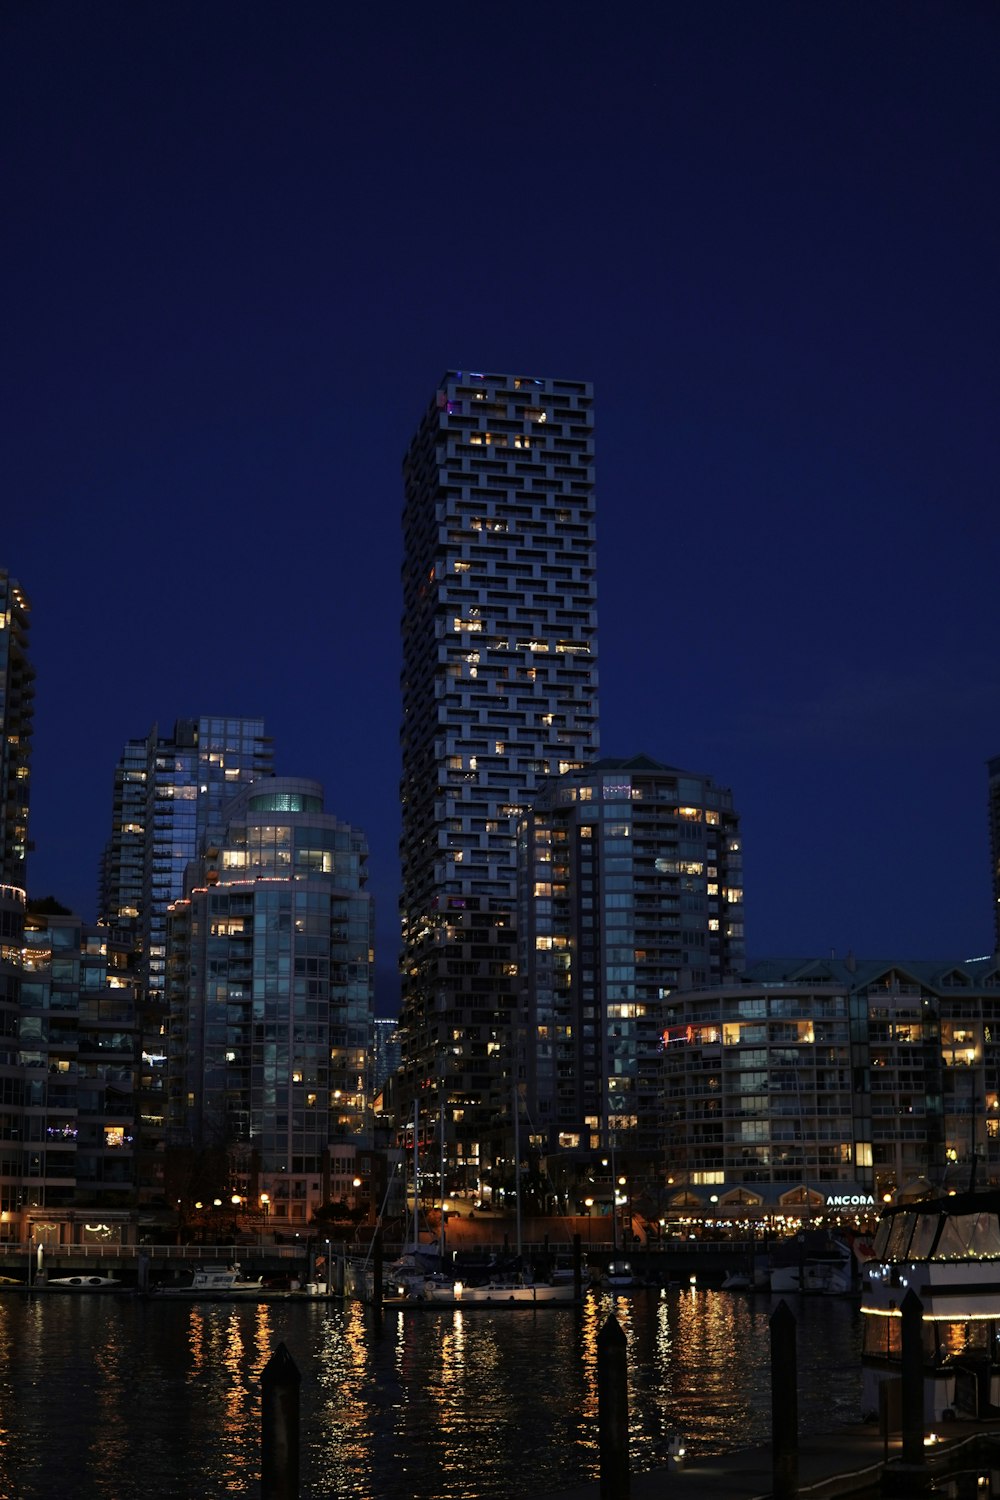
(129, 1399)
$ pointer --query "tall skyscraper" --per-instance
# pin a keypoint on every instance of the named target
(631, 889)
(993, 767)
(17, 694)
(169, 792)
(499, 691)
(272, 998)
(16, 702)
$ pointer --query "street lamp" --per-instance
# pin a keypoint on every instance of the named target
(265, 1203)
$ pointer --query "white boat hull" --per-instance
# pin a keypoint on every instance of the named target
(500, 1294)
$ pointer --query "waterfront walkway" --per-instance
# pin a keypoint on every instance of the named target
(847, 1462)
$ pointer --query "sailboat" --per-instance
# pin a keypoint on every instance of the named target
(419, 1262)
(499, 1287)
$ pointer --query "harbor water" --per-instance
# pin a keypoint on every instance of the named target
(127, 1398)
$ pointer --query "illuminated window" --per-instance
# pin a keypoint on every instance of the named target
(114, 1135)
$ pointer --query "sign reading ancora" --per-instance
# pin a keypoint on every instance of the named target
(850, 1200)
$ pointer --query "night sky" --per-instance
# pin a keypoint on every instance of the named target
(242, 243)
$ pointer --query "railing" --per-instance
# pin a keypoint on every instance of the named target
(107, 1251)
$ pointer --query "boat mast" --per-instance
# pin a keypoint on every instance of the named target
(517, 1165)
(416, 1173)
(444, 1216)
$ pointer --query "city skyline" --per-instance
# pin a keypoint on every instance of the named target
(768, 242)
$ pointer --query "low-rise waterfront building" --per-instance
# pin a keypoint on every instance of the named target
(832, 1080)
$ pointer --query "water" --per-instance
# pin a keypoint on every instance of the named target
(119, 1398)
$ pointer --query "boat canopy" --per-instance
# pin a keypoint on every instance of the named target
(963, 1227)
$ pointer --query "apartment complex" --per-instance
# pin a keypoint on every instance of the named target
(631, 888)
(843, 1078)
(78, 1051)
(271, 992)
(169, 794)
(499, 691)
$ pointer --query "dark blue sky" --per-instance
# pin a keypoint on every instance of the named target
(241, 244)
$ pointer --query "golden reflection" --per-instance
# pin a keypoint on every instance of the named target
(414, 1406)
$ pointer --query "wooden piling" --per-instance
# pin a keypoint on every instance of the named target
(784, 1404)
(279, 1435)
(578, 1268)
(911, 1313)
(377, 1270)
(612, 1408)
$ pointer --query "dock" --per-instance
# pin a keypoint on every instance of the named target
(846, 1464)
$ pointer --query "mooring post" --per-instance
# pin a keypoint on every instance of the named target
(279, 1429)
(342, 1272)
(784, 1405)
(377, 1270)
(911, 1312)
(910, 1474)
(577, 1268)
(612, 1410)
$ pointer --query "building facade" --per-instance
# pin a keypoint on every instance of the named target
(846, 1079)
(993, 768)
(17, 695)
(169, 793)
(272, 1001)
(631, 888)
(499, 690)
(79, 1051)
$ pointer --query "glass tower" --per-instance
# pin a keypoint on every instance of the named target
(499, 690)
(272, 996)
(169, 792)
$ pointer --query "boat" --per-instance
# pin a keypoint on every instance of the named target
(224, 1283)
(497, 1284)
(945, 1249)
(80, 1284)
(754, 1275)
(563, 1271)
(619, 1276)
(812, 1262)
(501, 1293)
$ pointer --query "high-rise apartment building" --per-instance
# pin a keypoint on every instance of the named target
(993, 767)
(499, 692)
(78, 1047)
(169, 792)
(17, 693)
(631, 888)
(16, 705)
(272, 998)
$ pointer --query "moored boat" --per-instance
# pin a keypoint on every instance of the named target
(224, 1283)
(947, 1251)
(812, 1263)
(516, 1293)
(80, 1284)
(619, 1276)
